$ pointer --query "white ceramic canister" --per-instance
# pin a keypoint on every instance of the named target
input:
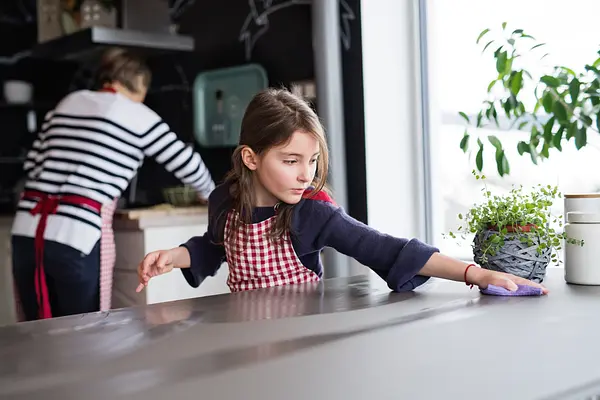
(584, 202)
(582, 263)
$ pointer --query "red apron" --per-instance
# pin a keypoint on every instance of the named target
(47, 205)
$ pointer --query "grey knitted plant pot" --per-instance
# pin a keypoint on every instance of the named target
(514, 257)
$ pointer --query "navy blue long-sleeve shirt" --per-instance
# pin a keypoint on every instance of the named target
(317, 223)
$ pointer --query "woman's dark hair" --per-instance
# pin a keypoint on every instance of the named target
(123, 66)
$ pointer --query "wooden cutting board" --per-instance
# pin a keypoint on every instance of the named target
(161, 210)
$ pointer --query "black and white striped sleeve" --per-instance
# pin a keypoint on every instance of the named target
(163, 145)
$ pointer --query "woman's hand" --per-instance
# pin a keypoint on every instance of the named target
(483, 278)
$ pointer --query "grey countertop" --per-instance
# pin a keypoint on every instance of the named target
(344, 338)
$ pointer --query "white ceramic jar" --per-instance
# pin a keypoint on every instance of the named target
(584, 202)
(582, 263)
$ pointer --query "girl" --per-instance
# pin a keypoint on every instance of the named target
(86, 155)
(272, 216)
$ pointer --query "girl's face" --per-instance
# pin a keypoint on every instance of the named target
(284, 172)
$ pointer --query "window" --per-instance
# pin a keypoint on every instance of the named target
(458, 79)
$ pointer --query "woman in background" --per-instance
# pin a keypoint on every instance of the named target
(87, 152)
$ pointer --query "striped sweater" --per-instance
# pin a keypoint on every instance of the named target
(92, 145)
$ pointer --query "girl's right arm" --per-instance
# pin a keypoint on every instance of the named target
(198, 258)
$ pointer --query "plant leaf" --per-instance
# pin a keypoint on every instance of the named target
(571, 131)
(581, 138)
(517, 31)
(495, 142)
(479, 157)
(548, 101)
(516, 83)
(486, 46)
(537, 45)
(462, 114)
(482, 34)
(501, 62)
(598, 121)
(548, 129)
(557, 139)
(505, 164)
(550, 81)
(504, 25)
(574, 90)
(464, 143)
(491, 85)
(533, 153)
(499, 164)
(560, 111)
(502, 163)
(522, 148)
(545, 153)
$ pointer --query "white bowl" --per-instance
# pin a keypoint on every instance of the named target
(18, 92)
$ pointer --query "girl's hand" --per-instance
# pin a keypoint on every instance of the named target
(154, 264)
(483, 278)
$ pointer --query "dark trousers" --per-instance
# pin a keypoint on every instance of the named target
(73, 278)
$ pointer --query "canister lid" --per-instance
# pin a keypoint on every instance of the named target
(583, 217)
(582, 196)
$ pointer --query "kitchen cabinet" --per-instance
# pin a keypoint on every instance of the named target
(138, 232)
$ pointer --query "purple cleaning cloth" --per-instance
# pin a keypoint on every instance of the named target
(523, 290)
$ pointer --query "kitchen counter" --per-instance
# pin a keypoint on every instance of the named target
(344, 338)
(141, 231)
(158, 216)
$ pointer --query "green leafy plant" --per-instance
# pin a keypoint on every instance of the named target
(565, 106)
(524, 214)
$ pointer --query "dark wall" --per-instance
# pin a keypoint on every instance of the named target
(284, 50)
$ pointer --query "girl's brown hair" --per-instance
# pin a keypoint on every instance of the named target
(270, 120)
(123, 66)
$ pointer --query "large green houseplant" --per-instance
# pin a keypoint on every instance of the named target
(566, 103)
(515, 233)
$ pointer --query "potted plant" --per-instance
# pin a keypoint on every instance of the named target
(515, 233)
(558, 105)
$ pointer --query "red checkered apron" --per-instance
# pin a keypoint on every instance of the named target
(107, 255)
(257, 261)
